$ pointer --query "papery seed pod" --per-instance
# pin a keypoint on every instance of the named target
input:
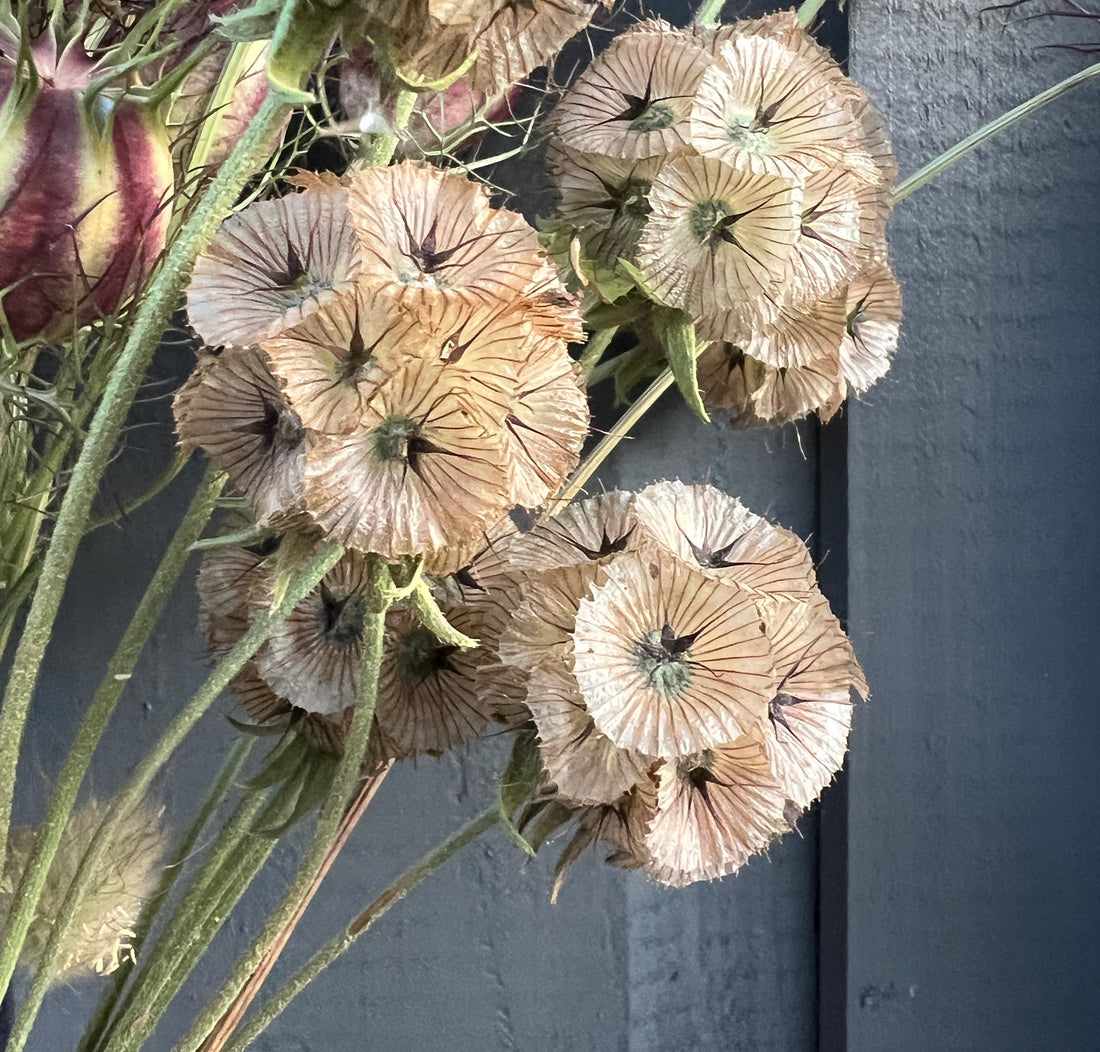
(84, 186)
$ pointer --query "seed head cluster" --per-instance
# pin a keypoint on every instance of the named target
(749, 180)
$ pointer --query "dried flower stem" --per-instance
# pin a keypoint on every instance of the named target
(808, 11)
(381, 594)
(233, 1016)
(381, 149)
(994, 127)
(598, 342)
(230, 769)
(709, 12)
(149, 322)
(604, 447)
(233, 860)
(408, 880)
(98, 716)
(134, 789)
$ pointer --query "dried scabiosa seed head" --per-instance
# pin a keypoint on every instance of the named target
(233, 409)
(99, 938)
(426, 233)
(634, 100)
(670, 661)
(271, 265)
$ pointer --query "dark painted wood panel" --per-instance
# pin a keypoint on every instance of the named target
(974, 787)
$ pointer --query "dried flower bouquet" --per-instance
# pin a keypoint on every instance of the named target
(392, 395)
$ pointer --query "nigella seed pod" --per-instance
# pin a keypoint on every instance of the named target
(84, 187)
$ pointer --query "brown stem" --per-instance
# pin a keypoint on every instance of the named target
(230, 1020)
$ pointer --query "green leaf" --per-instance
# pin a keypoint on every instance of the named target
(676, 332)
(641, 282)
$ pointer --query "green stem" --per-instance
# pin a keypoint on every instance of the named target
(99, 713)
(230, 769)
(709, 12)
(994, 127)
(134, 789)
(606, 444)
(380, 150)
(808, 11)
(381, 593)
(408, 880)
(593, 350)
(236, 857)
(149, 323)
(607, 369)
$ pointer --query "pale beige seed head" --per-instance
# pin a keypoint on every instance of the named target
(799, 335)
(331, 364)
(811, 712)
(715, 809)
(634, 100)
(312, 659)
(784, 395)
(584, 764)
(232, 408)
(271, 265)
(426, 233)
(605, 199)
(717, 534)
(873, 306)
(428, 696)
(100, 937)
(422, 474)
(762, 108)
(720, 240)
(521, 35)
(670, 661)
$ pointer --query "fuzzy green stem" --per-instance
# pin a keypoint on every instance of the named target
(381, 149)
(134, 789)
(99, 713)
(604, 447)
(236, 857)
(381, 594)
(598, 342)
(994, 127)
(709, 12)
(808, 10)
(149, 323)
(230, 769)
(408, 880)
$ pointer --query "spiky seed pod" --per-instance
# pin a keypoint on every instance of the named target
(99, 939)
(670, 661)
(271, 265)
(231, 407)
(715, 809)
(634, 100)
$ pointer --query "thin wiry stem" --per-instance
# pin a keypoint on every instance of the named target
(408, 880)
(808, 11)
(99, 713)
(381, 595)
(994, 127)
(149, 323)
(135, 788)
